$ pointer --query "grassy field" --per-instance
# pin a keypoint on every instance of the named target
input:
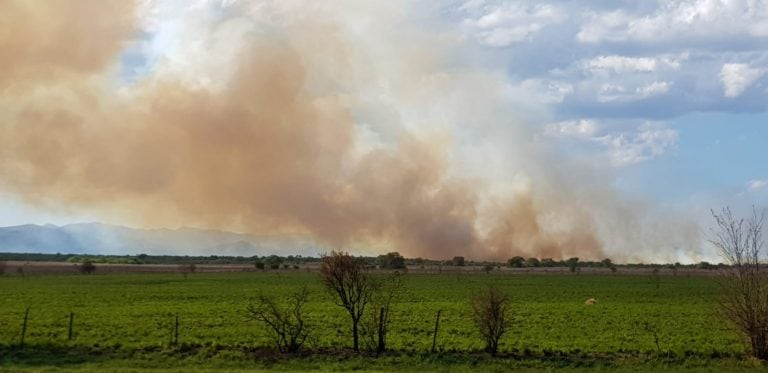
(124, 322)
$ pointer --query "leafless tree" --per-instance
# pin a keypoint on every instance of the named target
(376, 325)
(491, 310)
(186, 269)
(344, 276)
(285, 323)
(745, 283)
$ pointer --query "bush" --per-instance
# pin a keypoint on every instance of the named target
(285, 323)
(87, 267)
(259, 265)
(458, 261)
(491, 315)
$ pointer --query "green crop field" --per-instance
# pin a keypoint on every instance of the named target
(124, 322)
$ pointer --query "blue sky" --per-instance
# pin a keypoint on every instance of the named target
(682, 83)
(663, 102)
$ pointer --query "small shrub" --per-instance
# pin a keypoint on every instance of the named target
(491, 310)
(87, 267)
(285, 323)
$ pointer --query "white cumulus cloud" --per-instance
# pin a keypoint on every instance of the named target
(736, 77)
(501, 25)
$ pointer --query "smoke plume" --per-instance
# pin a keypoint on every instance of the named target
(341, 122)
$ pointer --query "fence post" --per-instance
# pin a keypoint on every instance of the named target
(176, 331)
(24, 328)
(437, 326)
(71, 321)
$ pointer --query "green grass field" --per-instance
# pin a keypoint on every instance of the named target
(123, 322)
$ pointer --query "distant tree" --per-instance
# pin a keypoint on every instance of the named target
(2, 267)
(274, 262)
(391, 260)
(703, 265)
(487, 268)
(548, 262)
(259, 264)
(458, 261)
(572, 263)
(491, 310)
(344, 277)
(516, 262)
(286, 324)
(744, 284)
(87, 267)
(187, 269)
(532, 262)
(606, 263)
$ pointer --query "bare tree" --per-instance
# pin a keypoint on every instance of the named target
(285, 323)
(376, 325)
(491, 310)
(344, 276)
(186, 269)
(745, 283)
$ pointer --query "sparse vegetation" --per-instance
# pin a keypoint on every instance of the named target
(491, 312)
(376, 325)
(745, 284)
(286, 324)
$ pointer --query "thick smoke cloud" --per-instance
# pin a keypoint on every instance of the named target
(281, 123)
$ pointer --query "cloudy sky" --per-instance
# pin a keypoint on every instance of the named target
(661, 102)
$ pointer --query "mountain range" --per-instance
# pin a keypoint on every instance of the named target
(99, 238)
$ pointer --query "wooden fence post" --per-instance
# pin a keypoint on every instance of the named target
(437, 326)
(71, 321)
(24, 328)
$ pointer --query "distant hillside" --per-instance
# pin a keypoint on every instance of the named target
(97, 238)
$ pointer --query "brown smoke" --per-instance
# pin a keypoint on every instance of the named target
(263, 154)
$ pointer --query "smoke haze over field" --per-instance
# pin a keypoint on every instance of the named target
(347, 122)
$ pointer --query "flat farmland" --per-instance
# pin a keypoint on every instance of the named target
(126, 321)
